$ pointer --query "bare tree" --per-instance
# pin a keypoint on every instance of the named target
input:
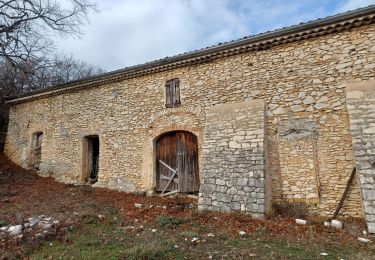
(43, 74)
(26, 26)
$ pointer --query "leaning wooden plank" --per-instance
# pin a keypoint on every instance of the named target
(170, 193)
(163, 177)
(166, 165)
(169, 182)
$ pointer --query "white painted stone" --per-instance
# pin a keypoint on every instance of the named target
(364, 240)
(371, 228)
(336, 224)
(301, 221)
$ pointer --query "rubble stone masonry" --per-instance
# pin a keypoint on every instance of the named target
(234, 159)
(298, 82)
(361, 107)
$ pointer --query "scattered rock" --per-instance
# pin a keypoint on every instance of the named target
(242, 233)
(364, 240)
(15, 230)
(336, 224)
(4, 228)
(301, 221)
(137, 205)
(194, 240)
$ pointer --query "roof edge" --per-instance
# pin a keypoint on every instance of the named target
(312, 29)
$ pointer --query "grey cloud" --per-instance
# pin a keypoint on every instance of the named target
(130, 32)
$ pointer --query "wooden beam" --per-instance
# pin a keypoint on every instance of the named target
(169, 182)
(166, 165)
(170, 193)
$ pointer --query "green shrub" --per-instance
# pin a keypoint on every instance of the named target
(170, 222)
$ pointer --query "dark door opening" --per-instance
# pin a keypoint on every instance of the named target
(36, 154)
(177, 163)
(91, 159)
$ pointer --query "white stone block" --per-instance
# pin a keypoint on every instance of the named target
(301, 221)
(336, 224)
(364, 240)
(15, 230)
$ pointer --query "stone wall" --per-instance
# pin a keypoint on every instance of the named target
(234, 159)
(361, 108)
(298, 81)
(299, 167)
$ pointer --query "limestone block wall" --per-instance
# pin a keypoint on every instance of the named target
(234, 159)
(299, 167)
(298, 81)
(361, 108)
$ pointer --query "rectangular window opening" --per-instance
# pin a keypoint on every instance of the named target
(172, 92)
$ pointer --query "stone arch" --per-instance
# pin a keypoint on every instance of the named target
(176, 150)
(162, 124)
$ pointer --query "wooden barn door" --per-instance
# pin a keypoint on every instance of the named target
(177, 155)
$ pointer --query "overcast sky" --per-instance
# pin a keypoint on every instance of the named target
(130, 32)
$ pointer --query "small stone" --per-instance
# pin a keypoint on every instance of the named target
(336, 224)
(327, 223)
(45, 225)
(364, 232)
(279, 111)
(364, 240)
(176, 246)
(297, 108)
(210, 235)
(370, 130)
(195, 239)
(301, 221)
(4, 228)
(242, 233)
(137, 205)
(15, 230)
(324, 254)
(308, 100)
(153, 231)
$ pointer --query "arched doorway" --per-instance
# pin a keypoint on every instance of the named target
(177, 163)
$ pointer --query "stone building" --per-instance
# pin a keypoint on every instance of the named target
(279, 117)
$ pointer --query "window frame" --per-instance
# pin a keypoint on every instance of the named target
(172, 93)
